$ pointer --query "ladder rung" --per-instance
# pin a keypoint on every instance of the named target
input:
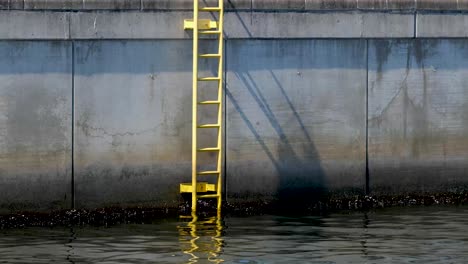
(210, 32)
(209, 126)
(208, 172)
(207, 79)
(208, 196)
(208, 149)
(210, 55)
(209, 9)
(209, 102)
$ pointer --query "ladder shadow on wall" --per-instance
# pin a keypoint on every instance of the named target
(296, 161)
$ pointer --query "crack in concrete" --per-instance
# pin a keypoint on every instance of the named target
(104, 133)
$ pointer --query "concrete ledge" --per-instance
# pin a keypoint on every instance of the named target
(435, 25)
(34, 25)
(20, 24)
(52, 4)
(11, 4)
(112, 4)
(134, 25)
(318, 25)
(413, 5)
(128, 25)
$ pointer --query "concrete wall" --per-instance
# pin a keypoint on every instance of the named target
(296, 117)
(35, 124)
(132, 121)
(418, 115)
(311, 95)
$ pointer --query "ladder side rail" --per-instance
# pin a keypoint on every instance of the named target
(194, 106)
(220, 99)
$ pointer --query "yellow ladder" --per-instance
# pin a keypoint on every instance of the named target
(200, 190)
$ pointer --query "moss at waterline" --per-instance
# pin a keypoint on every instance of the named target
(138, 215)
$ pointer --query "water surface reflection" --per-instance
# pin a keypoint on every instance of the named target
(202, 238)
(410, 235)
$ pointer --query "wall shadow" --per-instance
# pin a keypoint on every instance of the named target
(277, 89)
(297, 162)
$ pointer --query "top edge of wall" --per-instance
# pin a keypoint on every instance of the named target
(320, 5)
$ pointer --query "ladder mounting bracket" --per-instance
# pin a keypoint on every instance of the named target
(202, 187)
(202, 24)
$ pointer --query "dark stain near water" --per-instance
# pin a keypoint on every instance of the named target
(144, 215)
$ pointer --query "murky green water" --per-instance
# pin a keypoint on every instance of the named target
(410, 235)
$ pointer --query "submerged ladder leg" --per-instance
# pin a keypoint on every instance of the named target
(197, 188)
(220, 99)
(194, 106)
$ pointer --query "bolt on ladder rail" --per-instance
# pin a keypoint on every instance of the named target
(201, 190)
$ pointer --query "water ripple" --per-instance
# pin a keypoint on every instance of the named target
(415, 235)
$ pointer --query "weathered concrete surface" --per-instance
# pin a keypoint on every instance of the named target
(278, 4)
(295, 118)
(112, 4)
(296, 104)
(129, 25)
(418, 112)
(33, 25)
(132, 121)
(133, 25)
(436, 25)
(35, 125)
(12, 4)
(406, 5)
(53, 4)
(318, 25)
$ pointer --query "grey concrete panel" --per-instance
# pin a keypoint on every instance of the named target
(296, 118)
(329, 4)
(409, 5)
(418, 112)
(129, 25)
(167, 4)
(4, 4)
(278, 4)
(16, 4)
(33, 25)
(112, 4)
(53, 4)
(389, 25)
(132, 121)
(462, 4)
(436, 25)
(35, 125)
(335, 5)
(179, 4)
(132, 25)
(436, 5)
(372, 4)
(318, 25)
(238, 4)
(11, 4)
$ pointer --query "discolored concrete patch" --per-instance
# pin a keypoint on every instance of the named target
(35, 125)
(418, 116)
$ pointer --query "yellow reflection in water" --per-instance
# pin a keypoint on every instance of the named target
(201, 239)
